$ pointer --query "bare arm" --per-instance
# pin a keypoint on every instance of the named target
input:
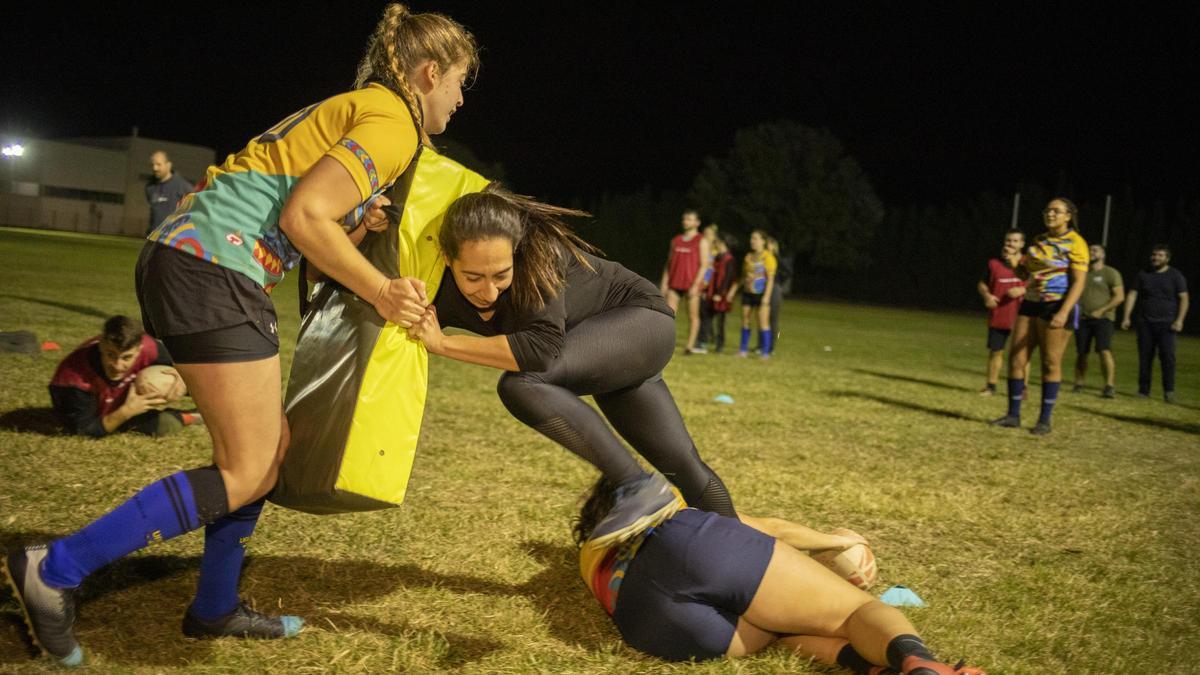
(1130, 303)
(798, 536)
(311, 220)
(493, 351)
(705, 265)
(1117, 298)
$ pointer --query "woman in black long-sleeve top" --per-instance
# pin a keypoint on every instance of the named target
(565, 323)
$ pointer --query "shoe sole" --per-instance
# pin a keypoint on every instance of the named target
(638, 526)
(71, 660)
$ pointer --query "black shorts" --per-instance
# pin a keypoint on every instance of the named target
(203, 313)
(682, 291)
(1046, 311)
(691, 580)
(752, 299)
(997, 337)
(1100, 329)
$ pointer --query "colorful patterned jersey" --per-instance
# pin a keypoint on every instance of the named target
(756, 271)
(603, 568)
(1048, 261)
(233, 219)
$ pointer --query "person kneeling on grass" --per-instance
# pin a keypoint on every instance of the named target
(700, 586)
(93, 390)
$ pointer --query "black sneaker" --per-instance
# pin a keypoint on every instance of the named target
(1008, 422)
(242, 622)
(1040, 429)
(1169, 396)
(49, 612)
(1109, 392)
(1143, 394)
(637, 505)
(1076, 389)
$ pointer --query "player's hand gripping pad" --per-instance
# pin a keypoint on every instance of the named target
(356, 393)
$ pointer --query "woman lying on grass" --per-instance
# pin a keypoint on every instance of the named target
(700, 586)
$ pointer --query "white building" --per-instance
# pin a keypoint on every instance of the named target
(89, 184)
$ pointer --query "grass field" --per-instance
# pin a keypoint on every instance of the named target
(1063, 554)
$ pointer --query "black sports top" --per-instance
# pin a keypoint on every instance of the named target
(536, 338)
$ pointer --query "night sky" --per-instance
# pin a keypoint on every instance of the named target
(937, 100)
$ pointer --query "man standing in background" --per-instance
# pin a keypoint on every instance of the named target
(1001, 290)
(1164, 295)
(165, 190)
(1103, 293)
(683, 275)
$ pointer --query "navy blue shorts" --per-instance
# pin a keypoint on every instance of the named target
(688, 584)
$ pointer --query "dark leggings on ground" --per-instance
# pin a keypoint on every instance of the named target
(617, 357)
(1152, 337)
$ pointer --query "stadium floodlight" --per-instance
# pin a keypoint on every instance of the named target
(14, 150)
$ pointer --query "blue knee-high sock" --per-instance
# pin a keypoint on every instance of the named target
(745, 339)
(162, 510)
(1016, 389)
(1049, 398)
(221, 566)
(766, 340)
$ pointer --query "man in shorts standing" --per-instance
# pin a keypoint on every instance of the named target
(1001, 290)
(1103, 293)
(683, 275)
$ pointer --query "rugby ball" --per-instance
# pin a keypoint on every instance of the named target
(162, 380)
(855, 564)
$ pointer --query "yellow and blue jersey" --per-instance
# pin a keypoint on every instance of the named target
(756, 271)
(603, 568)
(1048, 261)
(232, 220)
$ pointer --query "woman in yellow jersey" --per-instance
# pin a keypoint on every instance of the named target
(1055, 267)
(758, 282)
(702, 586)
(203, 283)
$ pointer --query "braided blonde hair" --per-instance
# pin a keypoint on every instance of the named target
(402, 41)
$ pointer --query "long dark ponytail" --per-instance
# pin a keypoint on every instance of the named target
(537, 232)
(593, 510)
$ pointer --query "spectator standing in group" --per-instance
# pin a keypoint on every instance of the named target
(1001, 289)
(783, 272)
(758, 281)
(705, 338)
(1164, 304)
(1056, 265)
(683, 275)
(718, 295)
(1102, 294)
(164, 191)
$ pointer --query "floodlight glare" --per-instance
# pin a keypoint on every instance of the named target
(14, 150)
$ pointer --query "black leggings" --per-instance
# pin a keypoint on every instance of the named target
(617, 357)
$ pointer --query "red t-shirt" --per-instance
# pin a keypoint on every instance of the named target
(999, 278)
(722, 279)
(685, 262)
(82, 370)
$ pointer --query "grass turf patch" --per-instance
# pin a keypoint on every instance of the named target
(1062, 554)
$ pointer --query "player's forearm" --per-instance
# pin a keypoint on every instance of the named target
(1183, 307)
(113, 420)
(493, 352)
(327, 247)
(1130, 303)
(793, 534)
(983, 291)
(1117, 299)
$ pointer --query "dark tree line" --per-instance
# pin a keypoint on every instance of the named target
(803, 187)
